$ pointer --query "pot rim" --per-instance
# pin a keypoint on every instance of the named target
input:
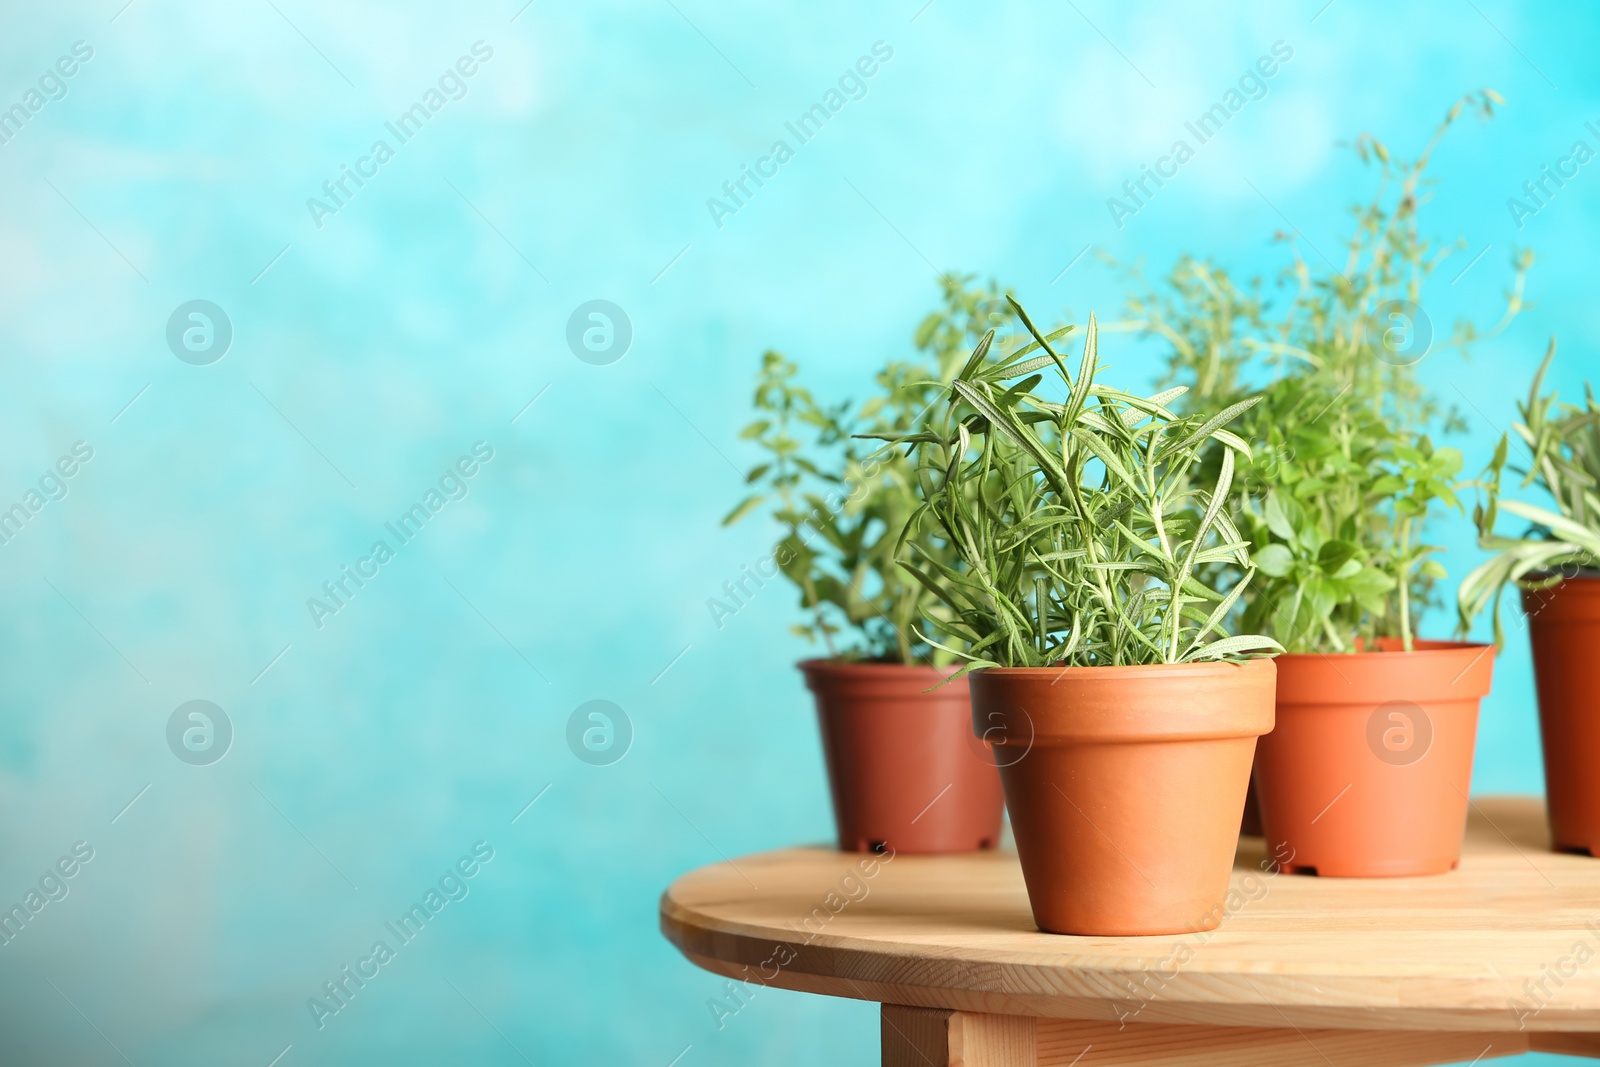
(1149, 703)
(822, 665)
(1584, 575)
(1204, 669)
(1435, 648)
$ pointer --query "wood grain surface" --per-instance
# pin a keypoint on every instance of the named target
(939, 1037)
(1509, 942)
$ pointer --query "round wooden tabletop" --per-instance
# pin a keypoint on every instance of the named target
(1509, 941)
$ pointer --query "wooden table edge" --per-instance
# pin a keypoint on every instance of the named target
(750, 957)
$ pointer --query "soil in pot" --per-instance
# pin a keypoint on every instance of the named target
(904, 768)
(1368, 769)
(1564, 622)
(1125, 787)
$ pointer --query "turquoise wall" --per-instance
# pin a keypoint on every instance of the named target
(386, 336)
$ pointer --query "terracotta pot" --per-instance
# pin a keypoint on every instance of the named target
(1368, 770)
(1125, 786)
(1564, 621)
(905, 771)
(1250, 822)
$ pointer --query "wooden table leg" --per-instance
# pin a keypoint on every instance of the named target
(938, 1037)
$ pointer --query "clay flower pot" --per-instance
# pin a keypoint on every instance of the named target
(1250, 823)
(1125, 786)
(905, 771)
(1367, 772)
(1565, 623)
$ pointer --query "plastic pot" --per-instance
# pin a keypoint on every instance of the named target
(1564, 622)
(1125, 786)
(1368, 769)
(905, 771)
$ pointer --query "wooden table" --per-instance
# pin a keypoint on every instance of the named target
(1496, 958)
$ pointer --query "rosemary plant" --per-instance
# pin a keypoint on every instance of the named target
(1563, 446)
(1076, 526)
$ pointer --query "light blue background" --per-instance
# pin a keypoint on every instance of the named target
(429, 311)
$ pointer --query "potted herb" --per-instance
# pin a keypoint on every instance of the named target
(1123, 717)
(1555, 563)
(1368, 768)
(904, 770)
(1367, 771)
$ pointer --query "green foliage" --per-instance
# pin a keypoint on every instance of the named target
(1077, 529)
(841, 504)
(1338, 328)
(1562, 443)
(1333, 506)
(1345, 476)
(1211, 325)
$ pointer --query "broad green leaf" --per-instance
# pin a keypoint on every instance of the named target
(1334, 554)
(1275, 560)
(1278, 520)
